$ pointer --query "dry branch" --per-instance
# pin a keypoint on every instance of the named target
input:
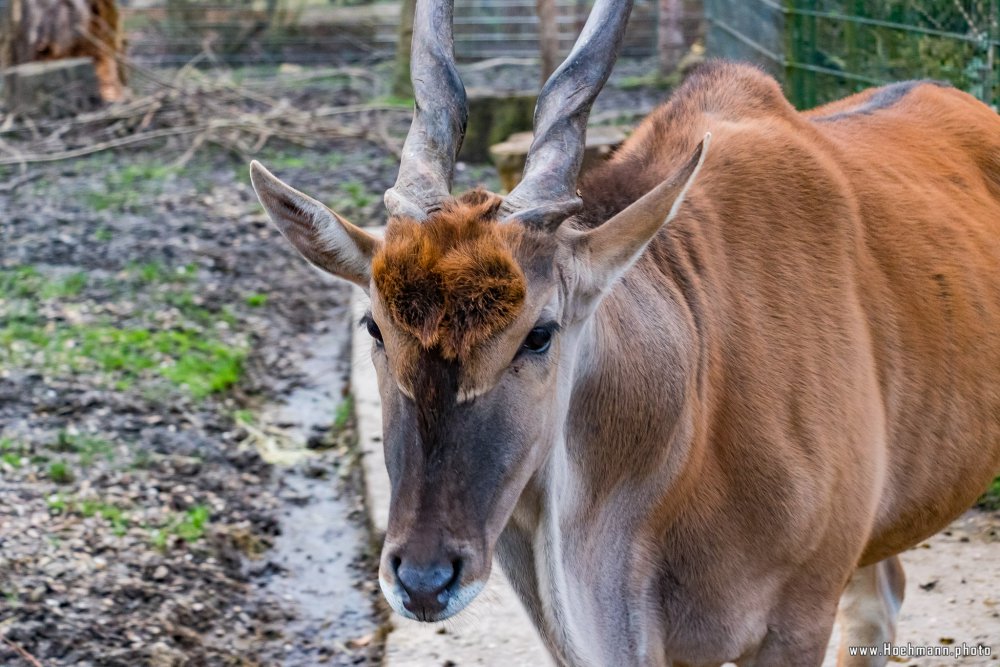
(193, 109)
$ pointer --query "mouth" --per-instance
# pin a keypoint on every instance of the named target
(451, 601)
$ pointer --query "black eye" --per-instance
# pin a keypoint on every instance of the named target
(538, 340)
(373, 330)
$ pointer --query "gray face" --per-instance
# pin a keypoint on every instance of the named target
(466, 430)
(462, 438)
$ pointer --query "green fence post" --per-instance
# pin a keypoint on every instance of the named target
(811, 53)
(993, 54)
(793, 73)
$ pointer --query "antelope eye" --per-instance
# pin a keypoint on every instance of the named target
(373, 330)
(538, 340)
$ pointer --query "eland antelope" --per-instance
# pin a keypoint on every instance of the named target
(696, 403)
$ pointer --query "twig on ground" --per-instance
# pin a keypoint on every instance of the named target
(195, 110)
(21, 651)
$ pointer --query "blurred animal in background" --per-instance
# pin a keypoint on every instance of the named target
(56, 29)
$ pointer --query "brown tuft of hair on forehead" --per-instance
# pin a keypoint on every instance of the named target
(452, 280)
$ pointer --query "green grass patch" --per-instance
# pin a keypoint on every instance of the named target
(185, 303)
(360, 197)
(244, 417)
(355, 197)
(206, 368)
(115, 516)
(63, 288)
(189, 526)
(102, 201)
(87, 447)
(153, 273)
(256, 300)
(13, 459)
(26, 282)
(991, 499)
(22, 282)
(335, 160)
(158, 538)
(60, 472)
(187, 358)
(58, 503)
(13, 453)
(286, 161)
(127, 187)
(344, 412)
(137, 174)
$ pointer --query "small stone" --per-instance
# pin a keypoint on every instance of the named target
(161, 655)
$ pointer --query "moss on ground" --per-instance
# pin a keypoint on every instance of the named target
(189, 354)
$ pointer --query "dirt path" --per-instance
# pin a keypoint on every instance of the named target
(953, 592)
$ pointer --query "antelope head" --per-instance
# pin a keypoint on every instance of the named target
(477, 305)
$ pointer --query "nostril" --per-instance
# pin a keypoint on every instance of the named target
(456, 568)
(428, 587)
(395, 562)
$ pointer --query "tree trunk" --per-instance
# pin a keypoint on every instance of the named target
(40, 30)
(9, 27)
(401, 84)
(669, 36)
(548, 36)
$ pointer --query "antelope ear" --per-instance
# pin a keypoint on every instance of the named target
(324, 238)
(606, 252)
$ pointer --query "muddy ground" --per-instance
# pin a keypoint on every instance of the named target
(178, 478)
(147, 314)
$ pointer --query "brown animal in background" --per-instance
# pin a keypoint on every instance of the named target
(56, 29)
(703, 400)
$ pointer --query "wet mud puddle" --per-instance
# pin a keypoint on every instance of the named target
(315, 567)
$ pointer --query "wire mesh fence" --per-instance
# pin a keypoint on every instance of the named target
(825, 49)
(307, 31)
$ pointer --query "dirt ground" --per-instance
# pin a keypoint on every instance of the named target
(952, 594)
(149, 317)
(159, 376)
(146, 315)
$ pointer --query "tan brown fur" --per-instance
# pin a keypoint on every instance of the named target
(794, 377)
(809, 352)
(451, 282)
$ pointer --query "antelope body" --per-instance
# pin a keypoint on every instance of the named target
(697, 406)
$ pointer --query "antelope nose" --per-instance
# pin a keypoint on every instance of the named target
(427, 588)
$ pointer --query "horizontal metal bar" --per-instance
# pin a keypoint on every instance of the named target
(892, 25)
(819, 69)
(864, 20)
